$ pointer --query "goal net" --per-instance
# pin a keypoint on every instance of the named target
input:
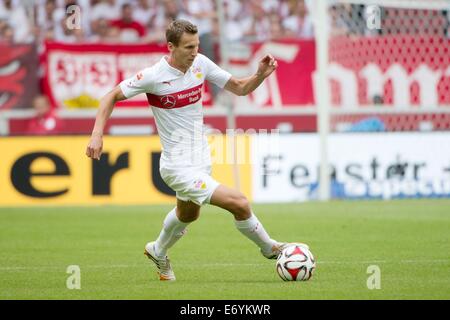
(386, 65)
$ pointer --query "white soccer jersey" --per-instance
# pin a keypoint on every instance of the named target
(177, 107)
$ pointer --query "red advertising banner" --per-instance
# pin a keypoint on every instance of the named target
(78, 75)
(400, 71)
(18, 76)
(290, 85)
(396, 71)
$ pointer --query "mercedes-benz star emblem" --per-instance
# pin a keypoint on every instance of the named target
(168, 101)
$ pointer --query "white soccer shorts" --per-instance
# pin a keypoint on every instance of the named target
(194, 185)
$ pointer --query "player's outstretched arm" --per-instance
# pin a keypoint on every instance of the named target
(244, 86)
(95, 146)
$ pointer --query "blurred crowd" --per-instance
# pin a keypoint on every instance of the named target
(128, 21)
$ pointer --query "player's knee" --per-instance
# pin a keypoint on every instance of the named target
(189, 216)
(241, 207)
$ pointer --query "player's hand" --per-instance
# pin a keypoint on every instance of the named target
(267, 65)
(95, 147)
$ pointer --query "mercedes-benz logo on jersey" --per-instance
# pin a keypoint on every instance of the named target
(168, 101)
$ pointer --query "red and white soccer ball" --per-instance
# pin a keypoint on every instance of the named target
(295, 263)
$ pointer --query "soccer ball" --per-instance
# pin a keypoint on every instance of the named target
(295, 263)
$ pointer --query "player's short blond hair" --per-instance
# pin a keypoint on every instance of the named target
(176, 29)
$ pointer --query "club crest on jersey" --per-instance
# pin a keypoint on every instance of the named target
(168, 101)
(199, 184)
(198, 72)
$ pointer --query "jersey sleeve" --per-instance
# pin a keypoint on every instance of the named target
(215, 74)
(142, 82)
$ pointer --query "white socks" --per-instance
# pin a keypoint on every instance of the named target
(173, 229)
(254, 230)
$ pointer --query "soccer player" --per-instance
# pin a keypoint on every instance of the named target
(173, 88)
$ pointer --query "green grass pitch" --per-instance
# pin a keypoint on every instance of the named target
(409, 240)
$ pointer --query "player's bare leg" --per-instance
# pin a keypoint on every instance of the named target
(246, 222)
(187, 211)
(174, 228)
